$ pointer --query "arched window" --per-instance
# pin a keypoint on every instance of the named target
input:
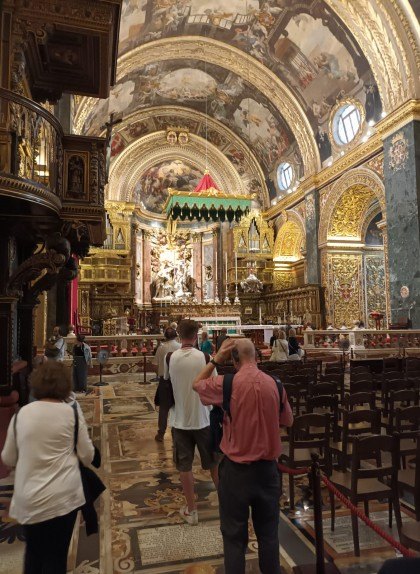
(346, 124)
(285, 176)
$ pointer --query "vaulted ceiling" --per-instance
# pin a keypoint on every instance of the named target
(254, 82)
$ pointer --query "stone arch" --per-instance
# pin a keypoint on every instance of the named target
(347, 203)
(152, 149)
(290, 240)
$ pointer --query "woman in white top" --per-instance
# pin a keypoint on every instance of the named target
(280, 347)
(48, 487)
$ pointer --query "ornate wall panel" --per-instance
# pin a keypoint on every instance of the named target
(348, 214)
(290, 238)
(375, 286)
(345, 287)
(358, 178)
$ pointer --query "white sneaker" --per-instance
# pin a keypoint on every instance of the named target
(189, 517)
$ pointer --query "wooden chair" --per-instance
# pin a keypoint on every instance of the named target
(356, 401)
(390, 364)
(354, 423)
(409, 481)
(325, 404)
(388, 386)
(293, 396)
(364, 386)
(407, 425)
(303, 442)
(338, 379)
(359, 371)
(375, 481)
(398, 400)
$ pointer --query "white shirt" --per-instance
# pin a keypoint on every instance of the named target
(62, 348)
(47, 476)
(188, 413)
(164, 348)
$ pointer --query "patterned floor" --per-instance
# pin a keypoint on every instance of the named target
(141, 530)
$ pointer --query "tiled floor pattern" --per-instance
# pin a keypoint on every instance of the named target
(141, 530)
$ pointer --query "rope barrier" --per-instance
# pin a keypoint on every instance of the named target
(294, 471)
(404, 551)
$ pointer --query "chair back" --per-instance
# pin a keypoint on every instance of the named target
(359, 398)
(364, 386)
(323, 389)
(302, 435)
(407, 421)
(390, 364)
(380, 449)
(327, 404)
(293, 396)
(412, 364)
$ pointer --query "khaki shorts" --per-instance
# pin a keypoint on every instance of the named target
(185, 442)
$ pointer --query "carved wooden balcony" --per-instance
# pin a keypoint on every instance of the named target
(45, 173)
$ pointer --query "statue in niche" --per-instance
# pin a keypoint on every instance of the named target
(76, 170)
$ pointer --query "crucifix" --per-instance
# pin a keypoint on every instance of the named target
(113, 120)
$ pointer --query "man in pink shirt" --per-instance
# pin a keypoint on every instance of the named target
(251, 444)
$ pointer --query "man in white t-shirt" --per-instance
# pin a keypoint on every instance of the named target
(190, 419)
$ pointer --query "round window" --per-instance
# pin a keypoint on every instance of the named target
(284, 176)
(346, 124)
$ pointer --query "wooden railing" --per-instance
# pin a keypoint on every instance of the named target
(35, 141)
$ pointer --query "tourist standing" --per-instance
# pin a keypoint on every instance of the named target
(251, 444)
(48, 490)
(190, 419)
(82, 360)
(164, 394)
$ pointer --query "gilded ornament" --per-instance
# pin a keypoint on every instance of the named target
(398, 152)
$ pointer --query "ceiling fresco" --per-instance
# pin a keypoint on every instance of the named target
(303, 42)
(209, 89)
(150, 193)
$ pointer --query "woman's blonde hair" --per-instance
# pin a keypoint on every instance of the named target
(282, 334)
(292, 333)
(51, 380)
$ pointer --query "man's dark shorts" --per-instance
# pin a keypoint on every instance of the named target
(185, 442)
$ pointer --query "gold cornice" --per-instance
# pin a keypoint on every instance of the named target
(245, 66)
(403, 115)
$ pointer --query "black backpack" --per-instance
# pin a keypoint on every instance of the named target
(217, 413)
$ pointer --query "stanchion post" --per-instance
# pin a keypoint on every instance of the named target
(320, 567)
(319, 533)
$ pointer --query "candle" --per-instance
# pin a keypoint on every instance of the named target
(216, 268)
(236, 267)
(259, 312)
(226, 268)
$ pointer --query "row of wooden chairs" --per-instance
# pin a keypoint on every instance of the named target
(364, 465)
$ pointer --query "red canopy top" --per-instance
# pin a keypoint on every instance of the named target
(206, 183)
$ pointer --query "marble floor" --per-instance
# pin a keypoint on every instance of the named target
(140, 529)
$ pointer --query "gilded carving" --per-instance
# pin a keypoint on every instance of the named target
(310, 207)
(349, 210)
(398, 152)
(282, 280)
(264, 228)
(345, 289)
(289, 241)
(357, 178)
(377, 164)
(375, 286)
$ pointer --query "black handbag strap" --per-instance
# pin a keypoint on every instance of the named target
(76, 425)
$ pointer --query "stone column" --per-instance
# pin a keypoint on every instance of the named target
(402, 181)
(147, 276)
(25, 331)
(313, 269)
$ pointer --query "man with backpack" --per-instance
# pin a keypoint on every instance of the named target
(189, 418)
(251, 445)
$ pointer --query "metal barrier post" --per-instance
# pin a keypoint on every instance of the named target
(320, 567)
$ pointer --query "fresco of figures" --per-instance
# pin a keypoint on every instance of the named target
(150, 192)
(225, 97)
(302, 41)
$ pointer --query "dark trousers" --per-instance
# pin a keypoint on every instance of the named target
(165, 403)
(244, 486)
(47, 545)
(80, 373)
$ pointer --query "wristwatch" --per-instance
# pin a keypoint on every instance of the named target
(214, 363)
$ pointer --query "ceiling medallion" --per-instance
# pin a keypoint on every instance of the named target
(177, 135)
